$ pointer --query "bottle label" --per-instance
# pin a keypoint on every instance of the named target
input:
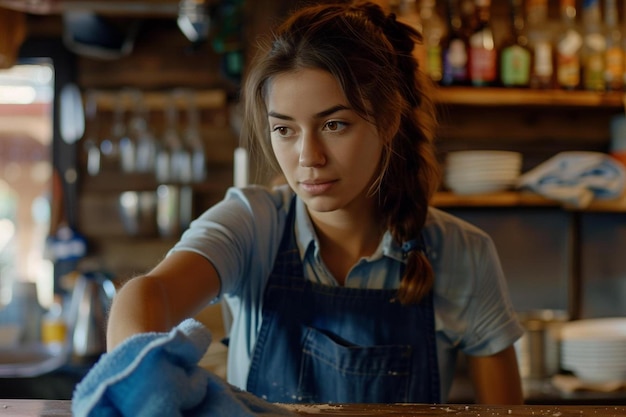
(457, 54)
(614, 67)
(482, 65)
(543, 59)
(455, 63)
(571, 43)
(568, 70)
(433, 59)
(596, 42)
(594, 72)
(515, 66)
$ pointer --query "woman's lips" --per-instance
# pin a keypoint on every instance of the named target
(317, 187)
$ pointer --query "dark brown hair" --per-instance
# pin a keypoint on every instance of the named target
(370, 54)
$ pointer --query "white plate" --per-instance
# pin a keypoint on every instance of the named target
(511, 176)
(486, 164)
(587, 347)
(477, 188)
(462, 183)
(599, 361)
(603, 329)
(591, 375)
(476, 155)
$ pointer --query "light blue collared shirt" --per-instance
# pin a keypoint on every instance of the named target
(241, 235)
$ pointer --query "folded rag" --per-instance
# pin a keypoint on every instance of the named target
(576, 178)
(157, 374)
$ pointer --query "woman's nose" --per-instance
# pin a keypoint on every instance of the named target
(311, 151)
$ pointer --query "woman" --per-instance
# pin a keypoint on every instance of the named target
(344, 285)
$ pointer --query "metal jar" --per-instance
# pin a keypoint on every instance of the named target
(538, 350)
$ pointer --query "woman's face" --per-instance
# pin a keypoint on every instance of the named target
(327, 152)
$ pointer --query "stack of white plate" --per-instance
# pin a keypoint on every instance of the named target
(595, 349)
(476, 172)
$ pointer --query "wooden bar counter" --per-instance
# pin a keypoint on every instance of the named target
(60, 408)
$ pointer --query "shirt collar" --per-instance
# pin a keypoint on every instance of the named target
(305, 234)
(307, 240)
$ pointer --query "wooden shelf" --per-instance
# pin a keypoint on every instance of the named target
(116, 182)
(142, 8)
(447, 199)
(477, 96)
(158, 100)
(499, 199)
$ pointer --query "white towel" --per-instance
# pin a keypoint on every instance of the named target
(576, 178)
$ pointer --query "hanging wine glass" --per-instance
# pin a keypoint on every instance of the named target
(110, 146)
(193, 139)
(145, 143)
(91, 145)
(181, 156)
(127, 145)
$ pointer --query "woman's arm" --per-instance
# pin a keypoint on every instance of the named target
(496, 378)
(177, 288)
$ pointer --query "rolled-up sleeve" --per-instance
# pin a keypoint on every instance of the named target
(473, 309)
(239, 235)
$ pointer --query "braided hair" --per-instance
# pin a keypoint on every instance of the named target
(370, 54)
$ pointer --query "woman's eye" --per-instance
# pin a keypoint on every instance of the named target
(281, 130)
(334, 125)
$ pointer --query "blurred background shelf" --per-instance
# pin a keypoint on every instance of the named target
(527, 97)
(156, 100)
(447, 199)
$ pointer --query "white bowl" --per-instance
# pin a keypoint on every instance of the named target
(479, 156)
(594, 330)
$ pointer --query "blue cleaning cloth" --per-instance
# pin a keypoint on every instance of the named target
(576, 178)
(157, 374)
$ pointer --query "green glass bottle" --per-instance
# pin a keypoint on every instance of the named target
(515, 54)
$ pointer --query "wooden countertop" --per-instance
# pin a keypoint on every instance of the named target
(49, 408)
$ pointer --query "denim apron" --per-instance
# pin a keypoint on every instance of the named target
(332, 344)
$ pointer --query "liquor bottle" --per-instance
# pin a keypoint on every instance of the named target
(624, 42)
(433, 30)
(515, 54)
(614, 54)
(594, 47)
(568, 48)
(482, 48)
(455, 49)
(467, 9)
(541, 44)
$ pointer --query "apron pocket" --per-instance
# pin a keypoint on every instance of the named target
(334, 371)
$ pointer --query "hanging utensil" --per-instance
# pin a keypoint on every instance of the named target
(126, 141)
(90, 34)
(91, 145)
(110, 146)
(168, 144)
(72, 128)
(193, 140)
(145, 149)
(194, 20)
(72, 117)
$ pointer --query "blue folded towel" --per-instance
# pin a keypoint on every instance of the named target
(576, 178)
(157, 374)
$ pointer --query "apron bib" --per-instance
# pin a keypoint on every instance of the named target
(327, 344)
